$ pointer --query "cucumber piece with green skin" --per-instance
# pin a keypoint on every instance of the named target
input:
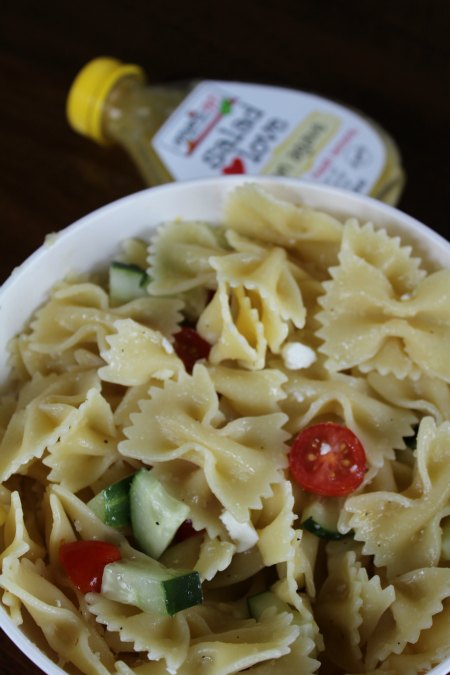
(155, 514)
(112, 505)
(146, 584)
(320, 517)
(126, 282)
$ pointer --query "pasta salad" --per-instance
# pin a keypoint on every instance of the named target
(230, 452)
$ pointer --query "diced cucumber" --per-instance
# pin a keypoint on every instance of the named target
(112, 505)
(148, 585)
(155, 514)
(257, 604)
(320, 517)
(126, 282)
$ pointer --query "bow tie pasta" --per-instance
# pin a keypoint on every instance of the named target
(153, 512)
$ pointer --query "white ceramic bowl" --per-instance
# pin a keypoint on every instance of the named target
(94, 240)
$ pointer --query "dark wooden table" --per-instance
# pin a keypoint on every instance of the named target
(390, 59)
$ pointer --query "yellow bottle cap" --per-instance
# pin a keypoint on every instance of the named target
(89, 91)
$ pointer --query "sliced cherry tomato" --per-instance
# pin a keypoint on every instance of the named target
(84, 562)
(190, 347)
(327, 459)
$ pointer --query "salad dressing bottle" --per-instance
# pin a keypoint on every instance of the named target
(212, 128)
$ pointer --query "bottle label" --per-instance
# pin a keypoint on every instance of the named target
(234, 128)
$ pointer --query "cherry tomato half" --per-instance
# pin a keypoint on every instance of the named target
(327, 459)
(190, 347)
(84, 562)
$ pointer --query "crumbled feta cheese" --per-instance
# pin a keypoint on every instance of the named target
(243, 535)
(296, 355)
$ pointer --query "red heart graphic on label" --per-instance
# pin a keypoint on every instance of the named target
(235, 166)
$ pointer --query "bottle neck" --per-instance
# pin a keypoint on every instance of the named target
(134, 111)
(120, 106)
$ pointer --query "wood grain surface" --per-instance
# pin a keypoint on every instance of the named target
(389, 59)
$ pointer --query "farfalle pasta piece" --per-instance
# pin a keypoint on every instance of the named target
(30, 361)
(349, 607)
(17, 544)
(215, 556)
(299, 660)
(58, 528)
(179, 257)
(287, 589)
(77, 314)
(84, 521)
(402, 530)
(78, 317)
(160, 314)
(241, 460)
(160, 638)
(274, 525)
(16, 540)
(337, 611)
(310, 287)
(375, 602)
(240, 645)
(130, 403)
(392, 358)
(249, 392)
(257, 305)
(271, 286)
(45, 408)
(292, 578)
(136, 354)
(230, 643)
(312, 234)
(379, 426)
(306, 546)
(419, 596)
(299, 606)
(430, 649)
(385, 252)
(133, 251)
(369, 323)
(86, 448)
(304, 650)
(71, 637)
(233, 327)
(427, 395)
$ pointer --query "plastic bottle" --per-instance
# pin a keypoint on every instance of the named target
(211, 128)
